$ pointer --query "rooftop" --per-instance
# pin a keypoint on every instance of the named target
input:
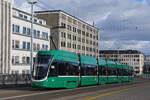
(120, 52)
(67, 14)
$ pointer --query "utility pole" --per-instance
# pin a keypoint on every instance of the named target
(118, 56)
(31, 44)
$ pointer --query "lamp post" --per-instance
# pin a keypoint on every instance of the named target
(31, 45)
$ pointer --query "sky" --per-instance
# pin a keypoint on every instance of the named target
(123, 24)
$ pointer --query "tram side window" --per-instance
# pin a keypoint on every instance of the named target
(111, 71)
(102, 70)
(130, 72)
(53, 69)
(72, 68)
(119, 72)
(64, 68)
(125, 72)
(88, 70)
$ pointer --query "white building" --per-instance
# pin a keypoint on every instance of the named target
(5, 35)
(21, 31)
(133, 58)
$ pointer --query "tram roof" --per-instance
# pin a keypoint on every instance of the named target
(88, 60)
(61, 55)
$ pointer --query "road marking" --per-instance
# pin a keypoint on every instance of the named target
(33, 94)
(114, 92)
(41, 93)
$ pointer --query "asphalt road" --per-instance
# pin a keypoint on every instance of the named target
(137, 90)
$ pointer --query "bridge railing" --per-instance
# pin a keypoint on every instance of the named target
(14, 79)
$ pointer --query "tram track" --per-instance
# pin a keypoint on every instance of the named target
(21, 94)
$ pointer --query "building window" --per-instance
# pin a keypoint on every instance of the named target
(13, 59)
(83, 47)
(79, 47)
(97, 44)
(74, 46)
(63, 44)
(90, 35)
(15, 28)
(25, 17)
(87, 34)
(90, 42)
(79, 31)
(24, 60)
(87, 41)
(83, 40)
(34, 46)
(69, 36)
(28, 45)
(21, 15)
(63, 25)
(74, 29)
(40, 22)
(28, 60)
(69, 45)
(35, 20)
(17, 44)
(38, 34)
(34, 33)
(24, 30)
(13, 44)
(90, 49)
(44, 47)
(69, 27)
(87, 48)
(38, 47)
(93, 43)
(16, 59)
(93, 37)
(83, 32)
(63, 35)
(79, 39)
(28, 31)
(45, 35)
(74, 38)
(24, 45)
(97, 37)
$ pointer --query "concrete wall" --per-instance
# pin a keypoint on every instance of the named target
(52, 19)
(5, 35)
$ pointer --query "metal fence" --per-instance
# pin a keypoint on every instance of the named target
(14, 79)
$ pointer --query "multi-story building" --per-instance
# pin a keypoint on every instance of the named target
(71, 33)
(133, 58)
(146, 64)
(5, 35)
(20, 39)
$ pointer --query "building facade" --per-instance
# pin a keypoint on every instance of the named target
(133, 58)
(21, 46)
(71, 34)
(146, 64)
(5, 35)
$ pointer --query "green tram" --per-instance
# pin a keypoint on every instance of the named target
(63, 69)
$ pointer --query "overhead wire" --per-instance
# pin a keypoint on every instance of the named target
(39, 3)
(43, 3)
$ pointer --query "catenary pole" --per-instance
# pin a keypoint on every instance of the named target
(31, 44)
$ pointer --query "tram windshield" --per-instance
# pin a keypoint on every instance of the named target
(41, 66)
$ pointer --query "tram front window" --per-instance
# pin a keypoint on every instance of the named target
(41, 67)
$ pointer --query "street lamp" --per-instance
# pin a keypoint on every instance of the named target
(31, 50)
